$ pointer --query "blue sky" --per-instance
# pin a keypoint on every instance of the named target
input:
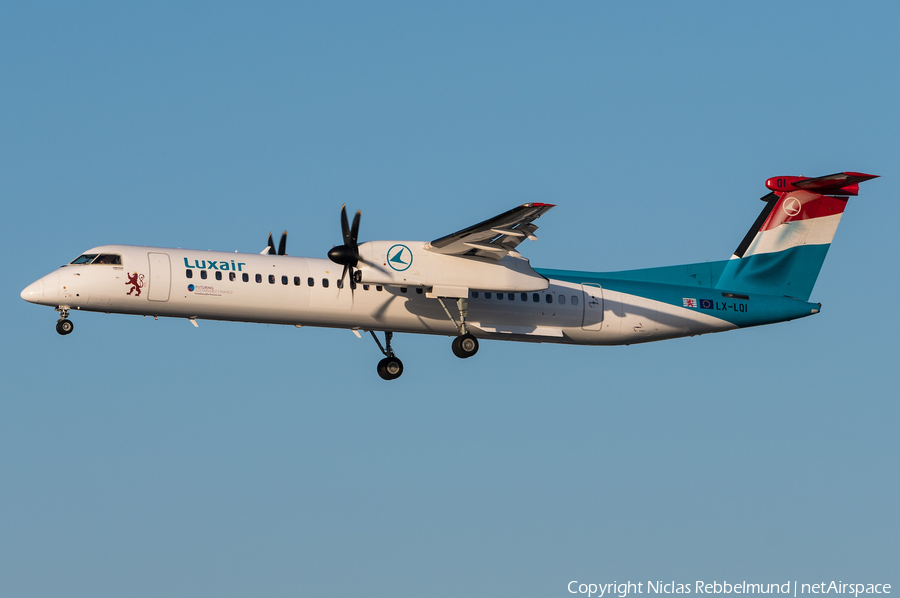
(148, 458)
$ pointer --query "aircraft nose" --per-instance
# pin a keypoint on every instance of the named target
(33, 292)
(44, 291)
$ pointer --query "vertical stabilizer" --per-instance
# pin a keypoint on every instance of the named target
(783, 252)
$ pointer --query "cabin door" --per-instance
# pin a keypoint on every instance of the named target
(160, 277)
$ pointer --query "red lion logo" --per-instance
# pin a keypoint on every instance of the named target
(136, 281)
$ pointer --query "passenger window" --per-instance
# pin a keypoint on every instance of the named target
(189, 273)
(378, 288)
(203, 274)
(524, 296)
(311, 281)
(418, 290)
(284, 280)
(325, 282)
(245, 277)
(511, 296)
(218, 275)
(574, 299)
(487, 295)
(365, 287)
(562, 299)
(296, 281)
(474, 294)
(536, 297)
(403, 289)
(549, 298)
(271, 279)
(232, 276)
(500, 296)
(340, 283)
(259, 278)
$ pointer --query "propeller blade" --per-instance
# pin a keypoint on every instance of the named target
(345, 228)
(282, 245)
(344, 273)
(271, 245)
(352, 288)
(354, 229)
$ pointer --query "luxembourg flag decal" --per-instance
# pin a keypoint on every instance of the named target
(689, 302)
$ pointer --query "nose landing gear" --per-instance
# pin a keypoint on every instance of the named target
(390, 367)
(64, 326)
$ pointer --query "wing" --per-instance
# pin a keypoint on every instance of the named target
(495, 237)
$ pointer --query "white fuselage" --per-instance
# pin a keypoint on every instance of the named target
(156, 281)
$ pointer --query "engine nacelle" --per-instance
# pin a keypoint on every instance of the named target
(409, 263)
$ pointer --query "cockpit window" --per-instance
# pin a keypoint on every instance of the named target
(87, 258)
(98, 258)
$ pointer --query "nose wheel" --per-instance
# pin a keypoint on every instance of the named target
(465, 346)
(390, 367)
(64, 326)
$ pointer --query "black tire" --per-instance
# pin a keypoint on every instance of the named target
(65, 327)
(390, 368)
(465, 346)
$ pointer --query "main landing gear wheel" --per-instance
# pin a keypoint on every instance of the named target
(390, 368)
(465, 346)
(65, 327)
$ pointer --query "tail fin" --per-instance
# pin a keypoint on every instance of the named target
(783, 252)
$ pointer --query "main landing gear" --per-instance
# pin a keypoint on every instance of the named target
(465, 345)
(63, 325)
(390, 367)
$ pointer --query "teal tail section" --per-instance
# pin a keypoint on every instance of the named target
(789, 273)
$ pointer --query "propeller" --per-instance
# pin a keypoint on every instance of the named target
(347, 254)
(282, 245)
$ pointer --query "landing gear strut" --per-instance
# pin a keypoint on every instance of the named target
(63, 325)
(390, 367)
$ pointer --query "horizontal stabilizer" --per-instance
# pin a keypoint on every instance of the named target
(834, 182)
(841, 183)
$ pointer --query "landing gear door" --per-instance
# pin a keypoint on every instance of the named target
(160, 277)
(593, 307)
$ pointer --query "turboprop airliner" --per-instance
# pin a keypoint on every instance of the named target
(473, 284)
